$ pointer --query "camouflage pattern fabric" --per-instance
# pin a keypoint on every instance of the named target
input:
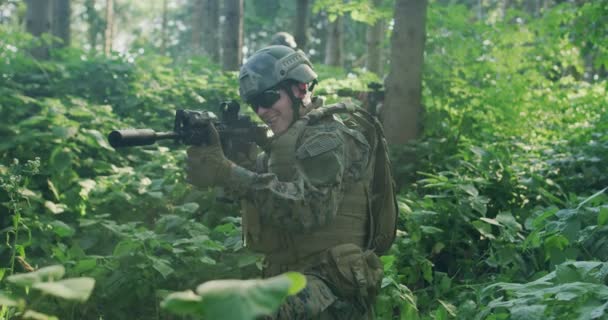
(329, 154)
(317, 301)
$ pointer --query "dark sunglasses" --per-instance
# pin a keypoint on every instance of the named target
(265, 99)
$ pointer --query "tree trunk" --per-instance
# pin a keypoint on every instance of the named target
(163, 31)
(107, 46)
(93, 21)
(532, 7)
(402, 106)
(375, 35)
(211, 29)
(504, 7)
(233, 35)
(333, 47)
(61, 21)
(38, 21)
(197, 26)
(301, 27)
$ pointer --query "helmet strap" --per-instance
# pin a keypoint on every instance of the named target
(312, 85)
(296, 102)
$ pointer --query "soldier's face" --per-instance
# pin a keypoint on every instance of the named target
(279, 116)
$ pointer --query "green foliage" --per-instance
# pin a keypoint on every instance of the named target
(360, 10)
(234, 299)
(13, 181)
(507, 182)
(125, 218)
(503, 206)
(45, 282)
(574, 290)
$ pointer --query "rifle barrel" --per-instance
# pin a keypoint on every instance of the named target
(137, 137)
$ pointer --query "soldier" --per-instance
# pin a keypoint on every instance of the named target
(306, 205)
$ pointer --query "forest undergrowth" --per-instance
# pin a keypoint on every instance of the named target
(503, 202)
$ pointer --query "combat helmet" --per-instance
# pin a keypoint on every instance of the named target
(284, 39)
(270, 66)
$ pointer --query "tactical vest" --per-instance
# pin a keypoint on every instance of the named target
(288, 250)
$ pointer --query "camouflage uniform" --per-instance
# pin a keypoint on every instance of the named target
(329, 158)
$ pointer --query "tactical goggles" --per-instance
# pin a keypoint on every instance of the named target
(265, 99)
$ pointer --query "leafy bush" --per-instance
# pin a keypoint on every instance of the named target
(503, 208)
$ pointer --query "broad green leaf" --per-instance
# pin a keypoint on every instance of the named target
(61, 159)
(484, 229)
(64, 132)
(84, 265)
(386, 281)
(35, 315)
(189, 207)
(387, 261)
(185, 302)
(538, 221)
(602, 217)
(126, 247)
(207, 260)
(99, 138)
(235, 299)
(566, 296)
(531, 312)
(247, 260)
(430, 230)
(582, 271)
(450, 308)
(551, 197)
(53, 189)
(298, 282)
(470, 189)
(556, 241)
(162, 266)
(491, 221)
(27, 193)
(49, 273)
(599, 312)
(62, 229)
(506, 218)
(86, 186)
(480, 204)
(427, 270)
(6, 300)
(78, 289)
(55, 208)
(441, 314)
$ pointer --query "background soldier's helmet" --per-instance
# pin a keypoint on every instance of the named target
(270, 66)
(284, 39)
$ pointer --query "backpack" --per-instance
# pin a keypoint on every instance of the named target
(383, 209)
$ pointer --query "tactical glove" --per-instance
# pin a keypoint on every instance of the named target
(207, 165)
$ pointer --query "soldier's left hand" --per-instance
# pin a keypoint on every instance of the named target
(206, 165)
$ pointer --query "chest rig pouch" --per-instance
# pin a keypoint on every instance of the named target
(268, 239)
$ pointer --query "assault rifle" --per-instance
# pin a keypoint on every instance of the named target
(372, 98)
(236, 131)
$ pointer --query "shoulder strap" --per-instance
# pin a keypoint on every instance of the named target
(317, 114)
